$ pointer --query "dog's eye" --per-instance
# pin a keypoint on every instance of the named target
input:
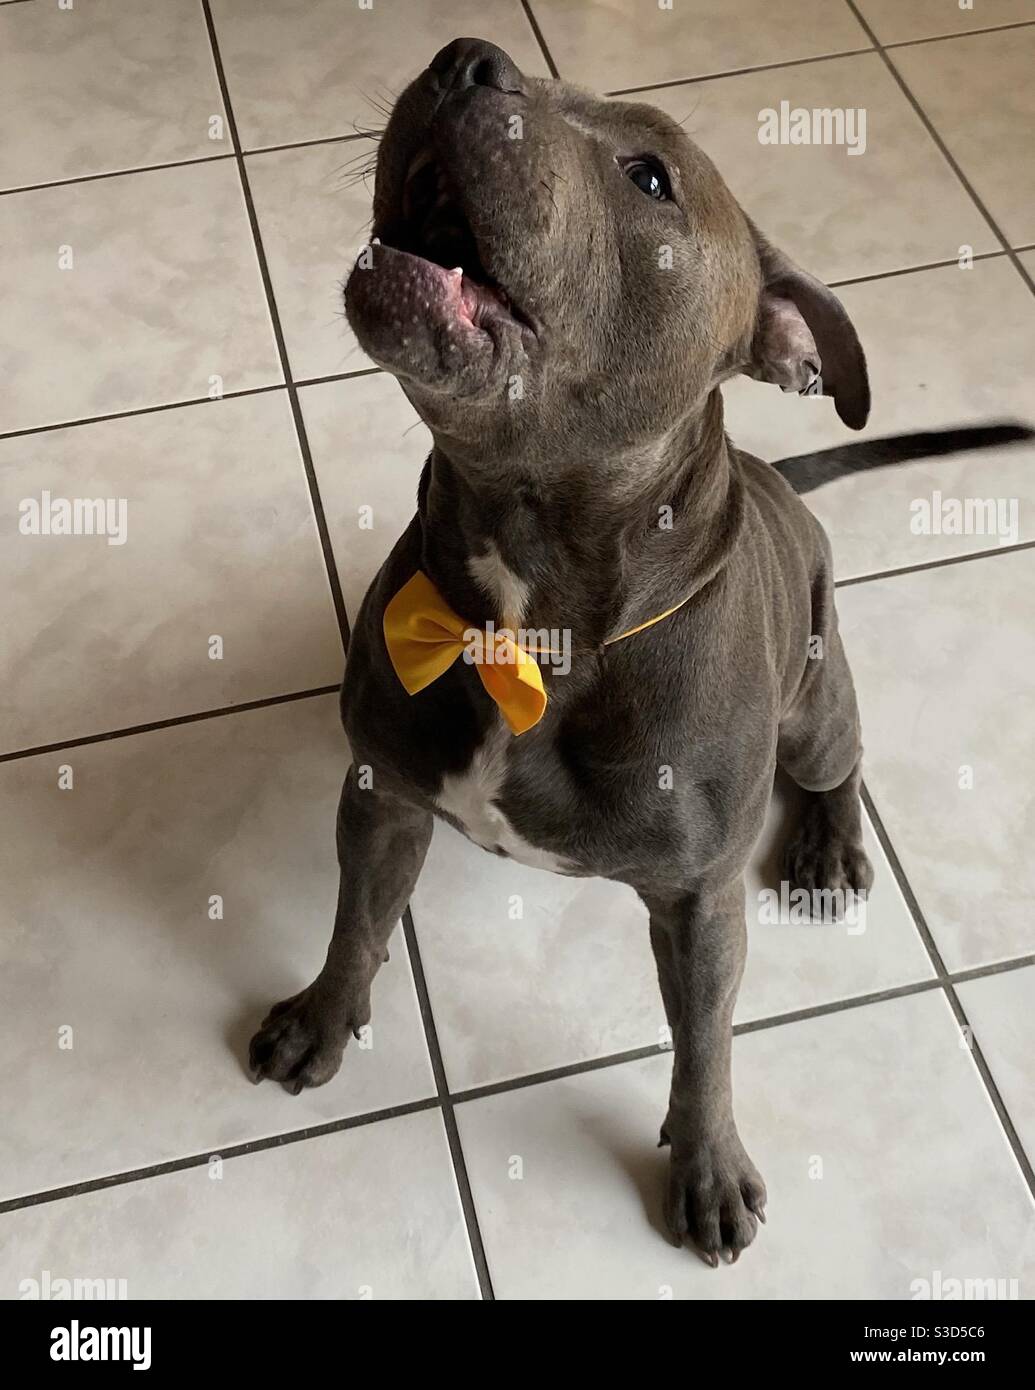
(649, 177)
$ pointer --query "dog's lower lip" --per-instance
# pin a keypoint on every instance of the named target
(481, 300)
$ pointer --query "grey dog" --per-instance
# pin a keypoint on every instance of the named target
(581, 481)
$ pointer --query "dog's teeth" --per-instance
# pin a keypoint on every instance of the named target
(457, 270)
(375, 241)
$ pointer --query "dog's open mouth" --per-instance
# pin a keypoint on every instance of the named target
(423, 299)
(434, 227)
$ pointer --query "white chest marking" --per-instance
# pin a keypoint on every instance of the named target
(470, 798)
(508, 591)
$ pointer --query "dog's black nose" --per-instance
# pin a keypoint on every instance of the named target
(475, 63)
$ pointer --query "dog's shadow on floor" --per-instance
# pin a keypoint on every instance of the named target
(644, 1165)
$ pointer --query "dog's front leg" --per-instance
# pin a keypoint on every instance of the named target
(714, 1191)
(382, 842)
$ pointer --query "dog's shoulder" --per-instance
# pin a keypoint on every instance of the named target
(781, 520)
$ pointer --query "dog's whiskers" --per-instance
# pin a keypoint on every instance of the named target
(357, 177)
(356, 169)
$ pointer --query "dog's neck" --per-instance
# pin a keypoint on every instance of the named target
(593, 546)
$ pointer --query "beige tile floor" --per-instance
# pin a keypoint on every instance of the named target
(171, 335)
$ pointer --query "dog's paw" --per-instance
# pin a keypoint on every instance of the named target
(716, 1199)
(825, 858)
(300, 1043)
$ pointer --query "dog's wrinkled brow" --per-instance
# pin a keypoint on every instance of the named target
(627, 127)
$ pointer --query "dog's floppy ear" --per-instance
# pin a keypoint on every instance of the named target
(804, 340)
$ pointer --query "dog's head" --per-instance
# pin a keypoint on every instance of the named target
(546, 266)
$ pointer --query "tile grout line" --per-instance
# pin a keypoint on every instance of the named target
(191, 400)
(1001, 967)
(959, 34)
(330, 564)
(933, 564)
(174, 163)
(341, 376)
(307, 144)
(533, 24)
(141, 410)
(559, 1073)
(445, 1102)
(817, 58)
(172, 723)
(198, 1160)
(111, 173)
(940, 144)
(494, 1088)
(915, 269)
(754, 1025)
(948, 985)
(735, 72)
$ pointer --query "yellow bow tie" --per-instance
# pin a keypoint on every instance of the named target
(424, 637)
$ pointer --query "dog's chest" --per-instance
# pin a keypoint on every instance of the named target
(471, 800)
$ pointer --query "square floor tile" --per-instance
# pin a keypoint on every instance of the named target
(309, 69)
(314, 225)
(367, 1213)
(219, 541)
(529, 970)
(942, 661)
(895, 22)
(102, 85)
(128, 1006)
(614, 44)
(127, 292)
(854, 1120)
(945, 348)
(838, 214)
(368, 447)
(977, 92)
(999, 1010)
